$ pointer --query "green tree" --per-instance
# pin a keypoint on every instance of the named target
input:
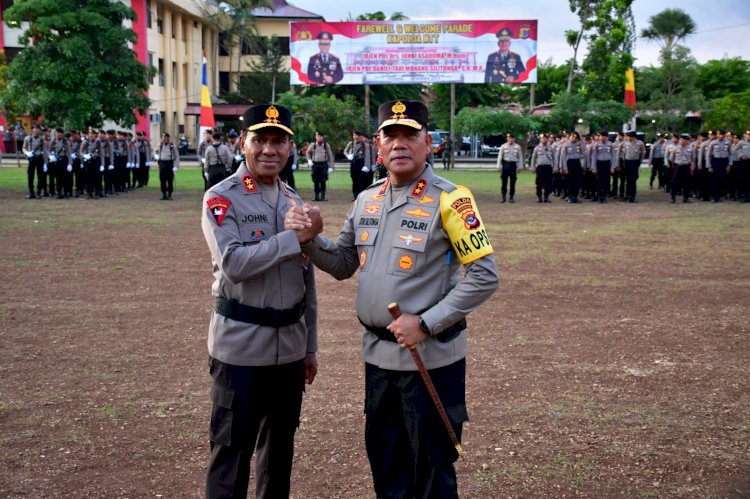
(717, 78)
(336, 118)
(669, 27)
(268, 75)
(484, 120)
(596, 114)
(731, 112)
(551, 81)
(76, 68)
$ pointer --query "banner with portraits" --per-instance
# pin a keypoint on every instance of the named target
(403, 52)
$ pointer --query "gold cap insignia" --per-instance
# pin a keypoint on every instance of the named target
(398, 109)
(272, 115)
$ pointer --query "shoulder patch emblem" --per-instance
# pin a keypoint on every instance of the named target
(249, 183)
(419, 213)
(218, 207)
(465, 209)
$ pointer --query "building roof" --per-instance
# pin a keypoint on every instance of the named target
(281, 9)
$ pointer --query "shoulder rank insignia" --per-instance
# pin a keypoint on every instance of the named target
(249, 183)
(218, 207)
(419, 188)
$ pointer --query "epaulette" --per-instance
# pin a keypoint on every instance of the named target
(444, 184)
(226, 184)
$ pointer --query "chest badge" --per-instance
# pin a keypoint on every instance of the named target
(362, 259)
(408, 240)
(405, 262)
(364, 236)
(419, 213)
(372, 209)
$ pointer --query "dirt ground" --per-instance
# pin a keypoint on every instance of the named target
(614, 360)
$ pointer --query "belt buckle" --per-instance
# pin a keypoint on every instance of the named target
(224, 307)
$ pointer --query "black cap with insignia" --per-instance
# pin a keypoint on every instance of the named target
(402, 112)
(325, 36)
(268, 115)
(504, 34)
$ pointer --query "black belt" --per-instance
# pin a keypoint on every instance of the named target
(444, 337)
(269, 317)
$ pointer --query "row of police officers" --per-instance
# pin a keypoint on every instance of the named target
(95, 164)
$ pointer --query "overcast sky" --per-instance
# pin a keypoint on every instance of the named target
(723, 26)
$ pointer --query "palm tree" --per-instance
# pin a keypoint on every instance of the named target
(669, 27)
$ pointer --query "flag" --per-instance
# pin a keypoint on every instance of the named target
(630, 88)
(207, 112)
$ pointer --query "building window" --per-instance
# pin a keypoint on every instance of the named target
(148, 13)
(161, 72)
(174, 75)
(224, 81)
(283, 42)
(247, 48)
(174, 27)
(224, 44)
(150, 68)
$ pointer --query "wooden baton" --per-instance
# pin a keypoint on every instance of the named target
(395, 311)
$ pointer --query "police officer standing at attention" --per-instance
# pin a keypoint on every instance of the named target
(143, 157)
(33, 148)
(201, 153)
(169, 163)
(324, 67)
(409, 235)
(79, 173)
(633, 153)
(656, 161)
(602, 161)
(684, 160)
(508, 158)
(60, 156)
(319, 154)
(743, 169)
(718, 159)
(216, 161)
(503, 66)
(359, 168)
(541, 162)
(572, 155)
(262, 338)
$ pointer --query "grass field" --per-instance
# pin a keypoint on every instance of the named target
(614, 360)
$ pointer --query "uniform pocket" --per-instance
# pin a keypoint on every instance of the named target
(220, 431)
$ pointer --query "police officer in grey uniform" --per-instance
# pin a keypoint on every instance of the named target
(201, 153)
(633, 152)
(573, 155)
(169, 162)
(684, 159)
(656, 161)
(409, 235)
(717, 160)
(33, 148)
(262, 338)
(61, 157)
(602, 161)
(743, 168)
(217, 161)
(542, 160)
(508, 158)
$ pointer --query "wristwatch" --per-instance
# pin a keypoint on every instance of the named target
(423, 326)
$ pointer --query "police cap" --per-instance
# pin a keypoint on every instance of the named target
(504, 34)
(631, 134)
(325, 37)
(268, 115)
(397, 112)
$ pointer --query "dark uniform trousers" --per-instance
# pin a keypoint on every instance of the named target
(166, 176)
(509, 171)
(718, 178)
(319, 177)
(657, 172)
(603, 171)
(287, 174)
(93, 177)
(406, 442)
(618, 181)
(63, 177)
(120, 171)
(79, 174)
(36, 165)
(143, 170)
(575, 177)
(630, 169)
(52, 176)
(253, 404)
(681, 181)
(108, 176)
(543, 181)
(743, 179)
(360, 180)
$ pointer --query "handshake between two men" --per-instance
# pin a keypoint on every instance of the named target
(306, 220)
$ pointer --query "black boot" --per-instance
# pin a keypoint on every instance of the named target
(539, 199)
(503, 199)
(511, 200)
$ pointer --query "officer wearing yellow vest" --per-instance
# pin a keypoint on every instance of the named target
(409, 235)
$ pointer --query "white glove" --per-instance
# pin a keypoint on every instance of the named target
(205, 175)
(238, 158)
(86, 157)
(365, 169)
(309, 163)
(101, 168)
(44, 168)
(330, 170)
(70, 168)
(129, 165)
(156, 157)
(111, 167)
(74, 155)
(294, 166)
(350, 156)
(82, 167)
(136, 165)
(29, 154)
(52, 158)
(203, 161)
(148, 163)
(174, 169)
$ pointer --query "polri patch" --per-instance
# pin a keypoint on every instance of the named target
(465, 209)
(218, 207)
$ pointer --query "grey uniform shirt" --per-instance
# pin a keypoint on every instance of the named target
(215, 154)
(60, 149)
(542, 156)
(656, 152)
(510, 153)
(258, 263)
(719, 149)
(395, 237)
(632, 151)
(603, 152)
